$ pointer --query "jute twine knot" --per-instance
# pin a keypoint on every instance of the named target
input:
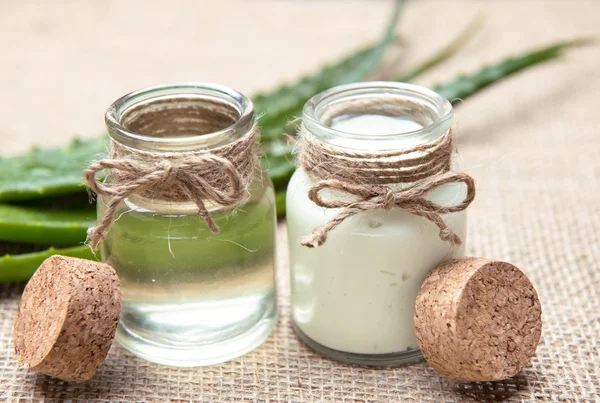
(369, 181)
(220, 176)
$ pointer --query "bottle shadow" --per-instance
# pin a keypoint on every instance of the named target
(522, 386)
(115, 380)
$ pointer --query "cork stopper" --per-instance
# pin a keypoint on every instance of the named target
(67, 318)
(477, 319)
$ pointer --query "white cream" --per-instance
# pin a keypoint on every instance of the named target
(374, 124)
(356, 293)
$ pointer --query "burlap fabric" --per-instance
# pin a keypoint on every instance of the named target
(532, 143)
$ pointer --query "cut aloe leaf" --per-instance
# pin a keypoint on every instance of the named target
(48, 172)
(44, 226)
(19, 268)
(465, 86)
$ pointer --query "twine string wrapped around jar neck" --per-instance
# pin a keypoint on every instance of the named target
(219, 175)
(368, 179)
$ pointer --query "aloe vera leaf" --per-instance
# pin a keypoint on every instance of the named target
(47, 172)
(20, 268)
(443, 54)
(289, 96)
(289, 100)
(76, 201)
(368, 64)
(277, 167)
(465, 86)
(280, 204)
(44, 226)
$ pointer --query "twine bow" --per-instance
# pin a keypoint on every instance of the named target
(411, 199)
(183, 177)
(220, 176)
(371, 178)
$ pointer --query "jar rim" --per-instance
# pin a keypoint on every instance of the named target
(203, 92)
(436, 104)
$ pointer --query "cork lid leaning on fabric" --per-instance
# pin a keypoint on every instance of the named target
(478, 319)
(67, 318)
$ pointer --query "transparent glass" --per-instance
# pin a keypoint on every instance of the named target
(353, 297)
(191, 297)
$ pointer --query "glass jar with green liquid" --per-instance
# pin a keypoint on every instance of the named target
(191, 296)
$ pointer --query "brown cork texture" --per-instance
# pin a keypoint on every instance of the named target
(67, 318)
(478, 319)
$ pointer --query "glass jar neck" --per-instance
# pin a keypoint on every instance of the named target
(426, 115)
(180, 117)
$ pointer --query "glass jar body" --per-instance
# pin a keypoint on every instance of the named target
(190, 296)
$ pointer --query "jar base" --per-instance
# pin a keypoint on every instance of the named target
(198, 355)
(371, 360)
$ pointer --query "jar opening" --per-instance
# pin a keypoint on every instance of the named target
(180, 117)
(400, 115)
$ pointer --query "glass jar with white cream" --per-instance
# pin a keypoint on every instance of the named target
(353, 295)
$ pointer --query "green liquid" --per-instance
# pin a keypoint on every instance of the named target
(192, 297)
